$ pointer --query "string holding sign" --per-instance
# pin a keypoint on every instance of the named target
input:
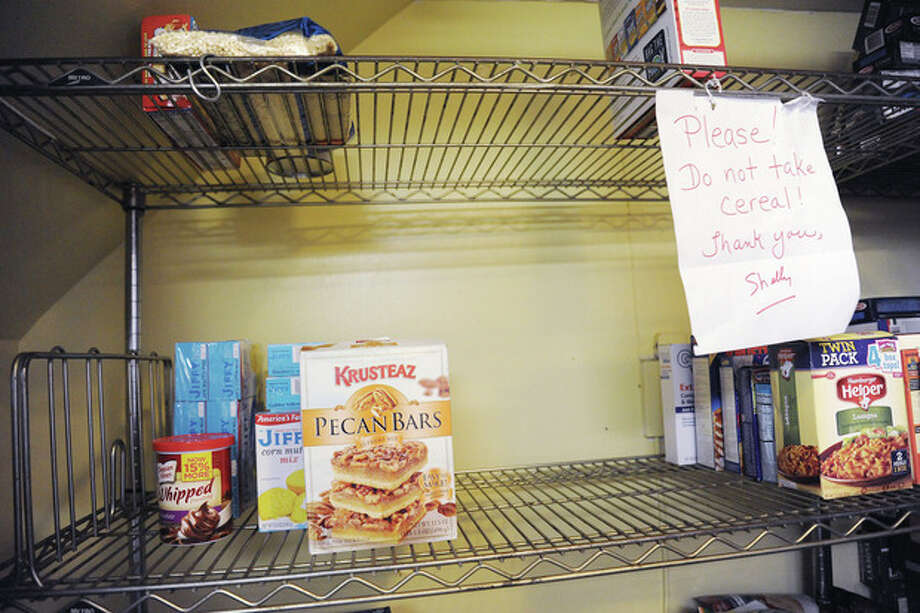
(764, 246)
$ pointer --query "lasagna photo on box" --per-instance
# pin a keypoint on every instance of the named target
(377, 445)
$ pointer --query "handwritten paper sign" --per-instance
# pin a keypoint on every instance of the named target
(763, 244)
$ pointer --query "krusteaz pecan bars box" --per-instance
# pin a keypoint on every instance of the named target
(378, 450)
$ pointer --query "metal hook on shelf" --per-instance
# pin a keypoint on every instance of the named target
(204, 69)
(713, 80)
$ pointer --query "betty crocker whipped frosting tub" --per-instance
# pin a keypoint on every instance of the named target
(840, 416)
(194, 487)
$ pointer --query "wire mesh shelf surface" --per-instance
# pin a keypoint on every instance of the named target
(516, 526)
(400, 129)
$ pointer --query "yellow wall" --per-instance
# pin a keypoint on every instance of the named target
(545, 323)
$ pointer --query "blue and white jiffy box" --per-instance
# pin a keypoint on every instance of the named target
(284, 359)
(282, 394)
(191, 367)
(190, 417)
(236, 417)
(229, 370)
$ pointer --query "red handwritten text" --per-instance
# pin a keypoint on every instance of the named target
(791, 168)
(718, 137)
(781, 238)
(763, 202)
(724, 244)
(759, 283)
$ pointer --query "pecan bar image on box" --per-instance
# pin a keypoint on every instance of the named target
(385, 467)
(377, 491)
(375, 502)
(392, 529)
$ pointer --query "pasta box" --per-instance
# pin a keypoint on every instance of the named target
(840, 415)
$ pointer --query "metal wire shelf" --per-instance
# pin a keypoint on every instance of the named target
(405, 129)
(516, 526)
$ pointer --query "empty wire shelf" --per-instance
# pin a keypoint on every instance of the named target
(405, 129)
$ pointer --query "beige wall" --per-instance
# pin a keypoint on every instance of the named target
(545, 322)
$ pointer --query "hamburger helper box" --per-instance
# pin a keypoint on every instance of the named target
(377, 442)
(840, 416)
(663, 32)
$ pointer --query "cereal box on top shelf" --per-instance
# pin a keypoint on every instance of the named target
(840, 417)
(377, 444)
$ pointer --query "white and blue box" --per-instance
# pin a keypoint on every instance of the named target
(676, 380)
(229, 370)
(284, 359)
(235, 417)
(191, 368)
(282, 394)
(190, 417)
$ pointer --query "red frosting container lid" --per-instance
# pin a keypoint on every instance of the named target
(181, 443)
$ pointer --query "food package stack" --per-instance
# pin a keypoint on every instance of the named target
(282, 385)
(215, 392)
(888, 38)
(661, 32)
(176, 116)
(301, 129)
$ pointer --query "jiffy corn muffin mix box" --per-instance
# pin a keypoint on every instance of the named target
(840, 416)
(280, 472)
(378, 449)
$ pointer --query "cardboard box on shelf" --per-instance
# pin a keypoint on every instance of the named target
(899, 315)
(236, 417)
(676, 377)
(658, 31)
(190, 417)
(230, 375)
(174, 114)
(731, 414)
(284, 358)
(710, 445)
(378, 448)
(840, 416)
(763, 413)
(281, 489)
(894, 46)
(739, 388)
(282, 394)
(910, 366)
(191, 372)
